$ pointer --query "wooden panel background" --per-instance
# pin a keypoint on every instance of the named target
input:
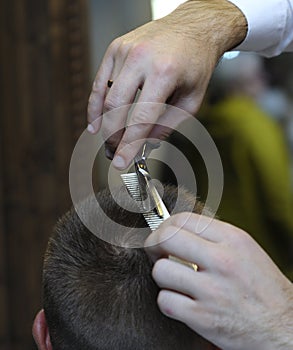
(43, 93)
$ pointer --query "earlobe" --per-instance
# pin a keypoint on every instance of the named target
(41, 332)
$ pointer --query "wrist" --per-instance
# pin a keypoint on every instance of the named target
(281, 336)
(219, 22)
(277, 327)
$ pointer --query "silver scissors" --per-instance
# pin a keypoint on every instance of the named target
(149, 194)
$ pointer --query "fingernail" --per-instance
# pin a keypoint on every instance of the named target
(119, 162)
(90, 128)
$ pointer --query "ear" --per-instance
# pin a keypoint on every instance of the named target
(41, 332)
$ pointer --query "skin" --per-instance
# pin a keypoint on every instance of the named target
(216, 301)
(171, 61)
(40, 332)
(238, 299)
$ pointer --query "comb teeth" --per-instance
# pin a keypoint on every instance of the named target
(153, 220)
(131, 182)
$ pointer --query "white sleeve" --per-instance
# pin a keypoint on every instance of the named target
(270, 26)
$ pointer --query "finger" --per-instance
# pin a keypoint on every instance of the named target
(190, 311)
(146, 112)
(117, 104)
(98, 93)
(189, 222)
(173, 116)
(205, 227)
(168, 121)
(110, 67)
(189, 99)
(181, 278)
(176, 305)
(126, 80)
(111, 135)
(182, 244)
(110, 147)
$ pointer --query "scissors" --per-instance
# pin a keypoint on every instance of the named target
(150, 196)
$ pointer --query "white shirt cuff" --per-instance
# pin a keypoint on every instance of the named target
(270, 26)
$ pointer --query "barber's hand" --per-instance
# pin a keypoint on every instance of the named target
(238, 299)
(171, 60)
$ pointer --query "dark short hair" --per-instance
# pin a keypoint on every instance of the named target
(101, 296)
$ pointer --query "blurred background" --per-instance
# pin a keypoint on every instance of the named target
(50, 51)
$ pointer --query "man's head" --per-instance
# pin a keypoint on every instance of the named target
(100, 296)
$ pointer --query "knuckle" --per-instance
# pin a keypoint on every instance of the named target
(110, 103)
(124, 47)
(115, 44)
(95, 86)
(115, 99)
(243, 237)
(237, 236)
(92, 107)
(162, 235)
(220, 260)
(92, 99)
(166, 235)
(179, 220)
(166, 67)
(141, 116)
(138, 51)
(224, 262)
